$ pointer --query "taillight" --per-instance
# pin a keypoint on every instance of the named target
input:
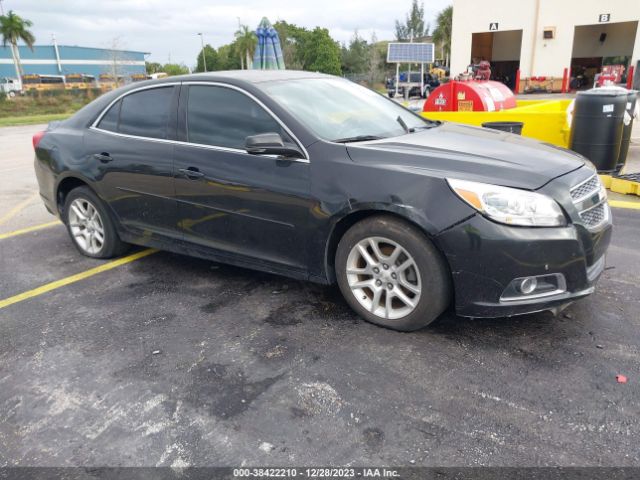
(36, 138)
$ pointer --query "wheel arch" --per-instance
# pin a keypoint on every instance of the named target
(65, 185)
(348, 219)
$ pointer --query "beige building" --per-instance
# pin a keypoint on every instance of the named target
(543, 37)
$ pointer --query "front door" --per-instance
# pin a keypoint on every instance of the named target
(248, 206)
(132, 151)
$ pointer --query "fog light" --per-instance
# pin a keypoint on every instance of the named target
(528, 285)
(529, 288)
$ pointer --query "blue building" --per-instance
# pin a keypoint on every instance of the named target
(65, 59)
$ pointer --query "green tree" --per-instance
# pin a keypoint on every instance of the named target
(322, 53)
(211, 58)
(293, 40)
(246, 42)
(228, 57)
(355, 57)
(413, 26)
(175, 69)
(442, 32)
(152, 67)
(14, 28)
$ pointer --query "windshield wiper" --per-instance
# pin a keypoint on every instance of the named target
(359, 138)
(403, 124)
(432, 123)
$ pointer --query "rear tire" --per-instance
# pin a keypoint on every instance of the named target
(90, 225)
(391, 274)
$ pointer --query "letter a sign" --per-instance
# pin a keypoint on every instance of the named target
(493, 27)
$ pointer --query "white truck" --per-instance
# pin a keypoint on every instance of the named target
(10, 86)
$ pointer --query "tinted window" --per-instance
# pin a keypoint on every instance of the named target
(110, 119)
(146, 113)
(224, 117)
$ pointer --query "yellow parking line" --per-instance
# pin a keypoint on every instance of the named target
(623, 204)
(22, 231)
(75, 278)
(17, 209)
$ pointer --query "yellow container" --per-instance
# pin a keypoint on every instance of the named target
(544, 120)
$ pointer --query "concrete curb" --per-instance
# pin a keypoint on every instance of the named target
(619, 185)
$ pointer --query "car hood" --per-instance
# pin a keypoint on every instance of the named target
(471, 153)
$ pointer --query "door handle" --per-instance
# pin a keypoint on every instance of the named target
(191, 173)
(104, 157)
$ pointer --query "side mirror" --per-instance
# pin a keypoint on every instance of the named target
(270, 144)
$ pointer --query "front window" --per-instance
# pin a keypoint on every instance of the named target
(224, 117)
(340, 110)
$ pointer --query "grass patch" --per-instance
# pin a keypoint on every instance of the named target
(43, 106)
(32, 119)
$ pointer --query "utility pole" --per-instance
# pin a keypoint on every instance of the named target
(1, 8)
(204, 58)
(57, 52)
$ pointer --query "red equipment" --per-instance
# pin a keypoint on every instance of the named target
(467, 96)
(610, 73)
(483, 72)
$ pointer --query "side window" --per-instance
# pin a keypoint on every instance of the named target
(110, 119)
(224, 117)
(146, 113)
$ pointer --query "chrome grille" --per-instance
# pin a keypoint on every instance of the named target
(582, 194)
(584, 189)
(594, 216)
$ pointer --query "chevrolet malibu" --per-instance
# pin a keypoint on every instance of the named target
(317, 178)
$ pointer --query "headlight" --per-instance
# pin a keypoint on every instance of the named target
(509, 205)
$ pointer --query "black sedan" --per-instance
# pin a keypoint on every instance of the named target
(317, 178)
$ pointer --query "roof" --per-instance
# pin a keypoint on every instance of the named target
(61, 45)
(254, 76)
(46, 47)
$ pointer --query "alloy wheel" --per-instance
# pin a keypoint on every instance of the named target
(86, 226)
(384, 277)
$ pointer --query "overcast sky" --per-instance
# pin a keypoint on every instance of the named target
(167, 28)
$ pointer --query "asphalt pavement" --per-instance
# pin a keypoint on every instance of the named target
(174, 361)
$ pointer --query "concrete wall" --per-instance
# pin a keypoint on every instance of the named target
(539, 57)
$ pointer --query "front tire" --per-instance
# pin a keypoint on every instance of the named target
(90, 226)
(391, 274)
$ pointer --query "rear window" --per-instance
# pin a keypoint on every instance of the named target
(143, 114)
(110, 119)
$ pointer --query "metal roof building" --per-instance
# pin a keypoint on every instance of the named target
(65, 59)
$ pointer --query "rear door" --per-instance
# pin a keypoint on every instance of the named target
(231, 201)
(131, 149)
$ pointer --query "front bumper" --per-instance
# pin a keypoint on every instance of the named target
(485, 257)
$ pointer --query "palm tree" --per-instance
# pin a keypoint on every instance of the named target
(14, 28)
(442, 33)
(246, 42)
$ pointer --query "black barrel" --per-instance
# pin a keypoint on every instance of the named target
(632, 98)
(596, 129)
(511, 127)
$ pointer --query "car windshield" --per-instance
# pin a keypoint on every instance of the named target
(339, 110)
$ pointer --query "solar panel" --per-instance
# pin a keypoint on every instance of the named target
(410, 53)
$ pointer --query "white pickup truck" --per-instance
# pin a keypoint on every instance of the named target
(10, 86)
